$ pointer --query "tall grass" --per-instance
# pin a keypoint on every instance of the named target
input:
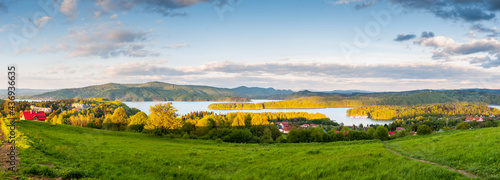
(476, 151)
(82, 152)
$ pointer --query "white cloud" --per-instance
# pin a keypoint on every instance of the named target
(445, 48)
(114, 16)
(69, 9)
(108, 40)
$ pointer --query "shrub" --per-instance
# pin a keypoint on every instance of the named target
(446, 128)
(463, 125)
(424, 130)
(371, 131)
(38, 170)
(381, 133)
(488, 124)
(402, 133)
(293, 136)
(218, 140)
(280, 140)
(74, 174)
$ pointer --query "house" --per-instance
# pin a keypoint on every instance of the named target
(46, 110)
(314, 125)
(477, 118)
(304, 126)
(286, 129)
(79, 106)
(33, 116)
(400, 128)
(391, 133)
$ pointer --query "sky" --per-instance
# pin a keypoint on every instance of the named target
(322, 45)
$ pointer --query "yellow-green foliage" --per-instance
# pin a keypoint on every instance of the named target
(240, 118)
(139, 118)
(235, 106)
(163, 117)
(404, 112)
(20, 140)
(300, 103)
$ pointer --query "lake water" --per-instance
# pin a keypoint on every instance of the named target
(336, 114)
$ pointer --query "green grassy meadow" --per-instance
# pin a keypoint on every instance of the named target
(75, 152)
(475, 151)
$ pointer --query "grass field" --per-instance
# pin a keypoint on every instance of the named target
(72, 151)
(475, 151)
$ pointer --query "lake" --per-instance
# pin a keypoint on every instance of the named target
(336, 114)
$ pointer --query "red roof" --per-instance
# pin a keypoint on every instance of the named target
(305, 125)
(34, 115)
(314, 125)
(391, 133)
(287, 128)
(477, 118)
(284, 124)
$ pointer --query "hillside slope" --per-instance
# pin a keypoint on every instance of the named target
(157, 91)
(99, 154)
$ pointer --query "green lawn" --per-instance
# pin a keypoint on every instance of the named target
(475, 151)
(98, 154)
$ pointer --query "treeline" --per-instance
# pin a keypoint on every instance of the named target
(236, 106)
(409, 97)
(97, 107)
(300, 103)
(412, 111)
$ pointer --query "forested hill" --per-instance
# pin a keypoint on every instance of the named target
(159, 91)
(490, 96)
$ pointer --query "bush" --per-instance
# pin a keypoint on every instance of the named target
(446, 128)
(424, 130)
(38, 170)
(488, 124)
(218, 140)
(74, 174)
(293, 136)
(381, 133)
(371, 132)
(280, 140)
(239, 136)
(463, 125)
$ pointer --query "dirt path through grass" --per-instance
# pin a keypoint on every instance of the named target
(4, 154)
(436, 164)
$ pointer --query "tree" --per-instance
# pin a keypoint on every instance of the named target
(463, 125)
(163, 117)
(293, 136)
(120, 116)
(138, 121)
(381, 133)
(344, 130)
(423, 130)
(371, 131)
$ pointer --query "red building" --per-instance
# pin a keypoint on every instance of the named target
(33, 116)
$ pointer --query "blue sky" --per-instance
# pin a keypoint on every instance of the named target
(325, 45)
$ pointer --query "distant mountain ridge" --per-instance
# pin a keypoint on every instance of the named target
(160, 91)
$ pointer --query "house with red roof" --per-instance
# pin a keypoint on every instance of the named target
(33, 116)
(477, 118)
(304, 126)
(284, 127)
(314, 125)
